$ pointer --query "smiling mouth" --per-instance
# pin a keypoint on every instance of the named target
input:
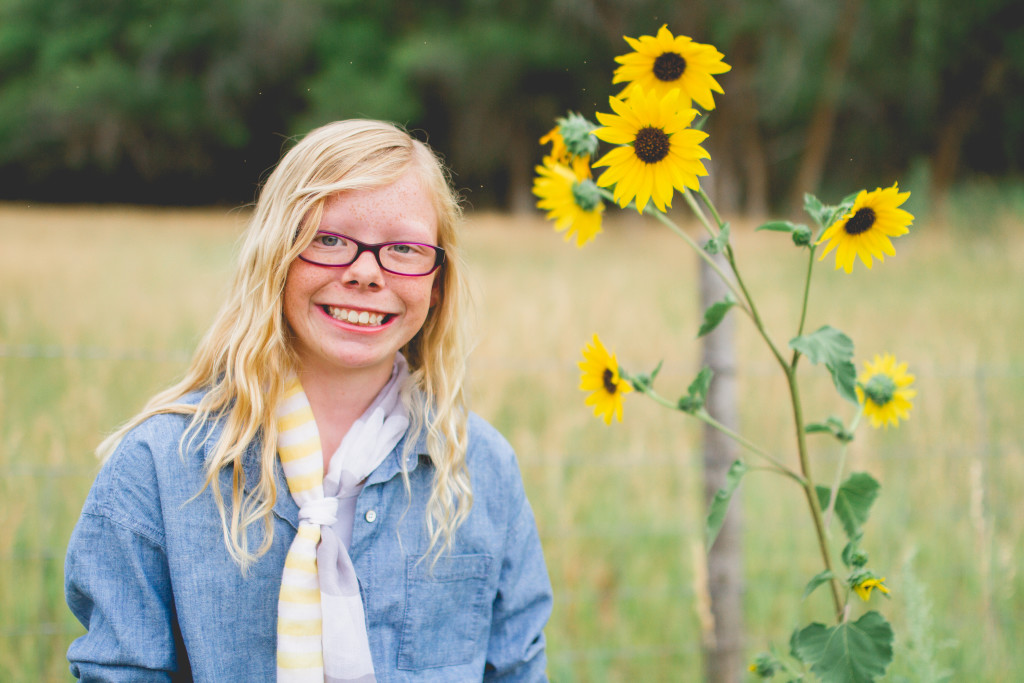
(364, 318)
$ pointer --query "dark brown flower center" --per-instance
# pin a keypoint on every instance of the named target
(609, 381)
(669, 66)
(651, 145)
(860, 221)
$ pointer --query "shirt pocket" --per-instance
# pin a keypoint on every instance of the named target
(447, 610)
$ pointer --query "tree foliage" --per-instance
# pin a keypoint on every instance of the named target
(190, 101)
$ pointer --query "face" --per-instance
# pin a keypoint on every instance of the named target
(350, 321)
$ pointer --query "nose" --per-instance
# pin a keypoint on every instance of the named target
(364, 271)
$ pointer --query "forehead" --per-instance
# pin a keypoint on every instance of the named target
(402, 209)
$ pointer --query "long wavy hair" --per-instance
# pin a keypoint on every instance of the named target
(241, 363)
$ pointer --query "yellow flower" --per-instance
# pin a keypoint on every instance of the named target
(884, 389)
(865, 587)
(600, 376)
(658, 152)
(574, 204)
(866, 229)
(664, 62)
(572, 144)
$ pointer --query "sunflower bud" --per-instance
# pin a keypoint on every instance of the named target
(765, 665)
(880, 389)
(801, 235)
(576, 131)
(586, 195)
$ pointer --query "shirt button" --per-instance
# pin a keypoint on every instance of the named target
(371, 516)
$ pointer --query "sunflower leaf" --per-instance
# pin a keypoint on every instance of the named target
(844, 376)
(815, 209)
(643, 381)
(857, 652)
(777, 226)
(819, 579)
(833, 425)
(717, 244)
(697, 392)
(720, 503)
(854, 498)
(827, 345)
(715, 313)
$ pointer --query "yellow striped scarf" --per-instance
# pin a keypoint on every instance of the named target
(300, 627)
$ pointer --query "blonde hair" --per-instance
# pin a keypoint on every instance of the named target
(244, 358)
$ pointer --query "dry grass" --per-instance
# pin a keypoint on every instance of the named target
(100, 307)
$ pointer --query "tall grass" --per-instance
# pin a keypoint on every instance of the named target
(99, 308)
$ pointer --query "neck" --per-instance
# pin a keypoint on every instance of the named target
(338, 399)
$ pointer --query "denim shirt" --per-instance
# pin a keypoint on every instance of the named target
(148, 573)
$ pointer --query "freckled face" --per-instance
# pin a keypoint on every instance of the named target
(353, 319)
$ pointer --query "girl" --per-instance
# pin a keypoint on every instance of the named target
(313, 501)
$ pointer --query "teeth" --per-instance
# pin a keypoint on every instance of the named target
(355, 317)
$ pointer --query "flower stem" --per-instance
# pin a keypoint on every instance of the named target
(741, 298)
(803, 307)
(840, 467)
(810, 492)
(706, 418)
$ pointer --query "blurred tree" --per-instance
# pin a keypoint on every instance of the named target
(150, 97)
(189, 100)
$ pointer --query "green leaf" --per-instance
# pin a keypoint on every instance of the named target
(718, 243)
(720, 503)
(833, 425)
(777, 226)
(844, 377)
(834, 349)
(857, 652)
(853, 501)
(697, 392)
(819, 578)
(715, 313)
(814, 207)
(826, 345)
(644, 380)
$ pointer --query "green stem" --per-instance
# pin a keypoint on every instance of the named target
(704, 417)
(740, 297)
(810, 492)
(837, 480)
(803, 306)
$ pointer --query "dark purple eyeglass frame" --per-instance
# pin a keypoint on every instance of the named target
(375, 250)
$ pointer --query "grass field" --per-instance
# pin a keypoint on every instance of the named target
(100, 307)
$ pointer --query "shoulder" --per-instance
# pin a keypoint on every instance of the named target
(491, 460)
(155, 462)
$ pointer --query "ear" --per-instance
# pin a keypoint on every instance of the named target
(435, 292)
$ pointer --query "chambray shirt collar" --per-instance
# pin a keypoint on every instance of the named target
(284, 506)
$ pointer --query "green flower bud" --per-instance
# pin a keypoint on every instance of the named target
(801, 236)
(858, 558)
(586, 194)
(765, 665)
(880, 389)
(576, 131)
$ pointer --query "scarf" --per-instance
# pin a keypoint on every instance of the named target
(321, 627)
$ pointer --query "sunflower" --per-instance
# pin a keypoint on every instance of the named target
(658, 152)
(664, 62)
(572, 143)
(884, 389)
(573, 203)
(865, 587)
(600, 376)
(865, 230)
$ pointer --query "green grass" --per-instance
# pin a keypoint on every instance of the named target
(99, 308)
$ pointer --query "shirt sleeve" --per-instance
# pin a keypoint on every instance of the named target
(116, 579)
(515, 651)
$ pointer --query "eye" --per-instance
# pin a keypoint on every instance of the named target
(326, 239)
(402, 248)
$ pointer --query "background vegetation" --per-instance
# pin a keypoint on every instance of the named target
(115, 314)
(190, 101)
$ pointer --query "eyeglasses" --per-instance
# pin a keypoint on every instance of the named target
(331, 250)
